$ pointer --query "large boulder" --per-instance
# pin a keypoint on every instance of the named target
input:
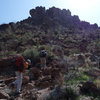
(26, 80)
(90, 88)
(7, 64)
(42, 85)
(34, 73)
(44, 82)
(29, 86)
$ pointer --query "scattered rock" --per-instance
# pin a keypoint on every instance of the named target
(43, 84)
(57, 94)
(34, 73)
(9, 80)
(4, 95)
(42, 94)
(2, 85)
(26, 80)
(29, 86)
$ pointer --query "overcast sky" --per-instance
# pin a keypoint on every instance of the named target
(16, 10)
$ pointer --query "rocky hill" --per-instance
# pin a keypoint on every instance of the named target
(46, 26)
(73, 60)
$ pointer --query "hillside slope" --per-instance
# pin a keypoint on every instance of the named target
(51, 26)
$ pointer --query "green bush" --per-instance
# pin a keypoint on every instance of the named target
(82, 78)
(71, 94)
(97, 82)
(30, 53)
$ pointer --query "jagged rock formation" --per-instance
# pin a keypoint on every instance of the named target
(55, 16)
(50, 18)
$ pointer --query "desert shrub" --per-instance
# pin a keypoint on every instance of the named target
(97, 82)
(71, 94)
(82, 78)
(31, 54)
(62, 94)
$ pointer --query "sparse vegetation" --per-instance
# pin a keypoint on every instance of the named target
(65, 38)
(80, 78)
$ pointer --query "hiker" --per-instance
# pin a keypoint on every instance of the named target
(20, 65)
(43, 55)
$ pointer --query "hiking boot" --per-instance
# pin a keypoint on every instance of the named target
(12, 85)
(17, 93)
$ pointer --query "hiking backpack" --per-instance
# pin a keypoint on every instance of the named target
(19, 64)
(43, 53)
